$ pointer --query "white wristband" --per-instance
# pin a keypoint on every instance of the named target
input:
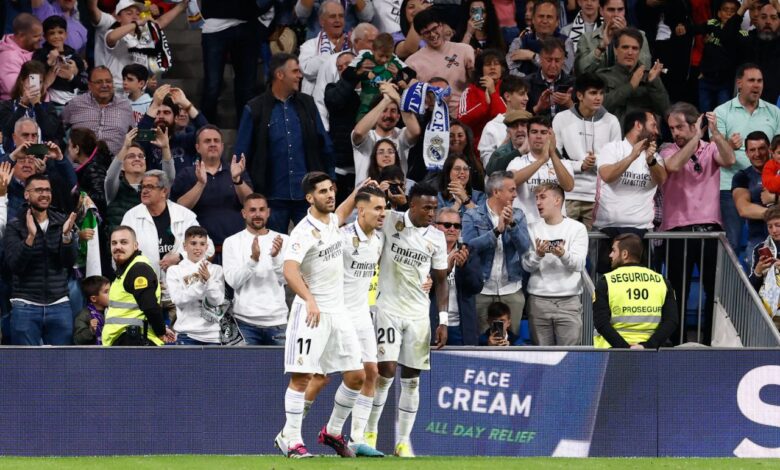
(444, 318)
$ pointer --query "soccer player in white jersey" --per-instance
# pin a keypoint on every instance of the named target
(413, 249)
(320, 339)
(362, 247)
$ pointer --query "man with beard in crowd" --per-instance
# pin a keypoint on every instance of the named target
(252, 260)
(40, 247)
(166, 104)
(762, 46)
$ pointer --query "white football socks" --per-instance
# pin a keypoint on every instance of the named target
(407, 407)
(382, 388)
(342, 407)
(293, 409)
(360, 415)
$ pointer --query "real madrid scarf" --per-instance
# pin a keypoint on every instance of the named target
(770, 289)
(578, 28)
(325, 47)
(436, 142)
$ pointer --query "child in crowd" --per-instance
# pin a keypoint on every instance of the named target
(61, 60)
(88, 326)
(499, 312)
(387, 68)
(770, 176)
(197, 287)
(134, 77)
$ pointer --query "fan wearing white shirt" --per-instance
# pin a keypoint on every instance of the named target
(193, 284)
(253, 260)
(413, 249)
(320, 339)
(379, 123)
(541, 165)
(629, 175)
(555, 262)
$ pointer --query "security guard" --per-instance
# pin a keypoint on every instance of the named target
(633, 307)
(134, 316)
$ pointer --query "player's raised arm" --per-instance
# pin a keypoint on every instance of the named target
(344, 209)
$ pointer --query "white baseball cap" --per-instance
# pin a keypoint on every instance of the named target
(124, 4)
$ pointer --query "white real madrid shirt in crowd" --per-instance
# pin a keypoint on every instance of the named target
(408, 256)
(387, 16)
(526, 199)
(258, 286)
(318, 248)
(499, 283)
(628, 201)
(362, 151)
(101, 28)
(361, 254)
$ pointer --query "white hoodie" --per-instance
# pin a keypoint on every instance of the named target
(187, 291)
(575, 137)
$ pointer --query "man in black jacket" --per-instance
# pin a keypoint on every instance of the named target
(283, 138)
(41, 245)
(762, 46)
(343, 102)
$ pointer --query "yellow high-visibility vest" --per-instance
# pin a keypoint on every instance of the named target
(123, 310)
(636, 300)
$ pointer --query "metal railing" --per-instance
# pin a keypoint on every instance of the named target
(732, 289)
(742, 304)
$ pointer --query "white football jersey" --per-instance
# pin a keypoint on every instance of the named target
(318, 248)
(361, 254)
(408, 256)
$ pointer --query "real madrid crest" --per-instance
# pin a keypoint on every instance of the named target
(399, 227)
(315, 233)
(355, 244)
(435, 150)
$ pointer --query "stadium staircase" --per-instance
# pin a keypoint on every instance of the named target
(187, 74)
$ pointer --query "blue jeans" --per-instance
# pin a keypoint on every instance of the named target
(282, 212)
(712, 94)
(32, 325)
(262, 336)
(454, 336)
(732, 222)
(242, 42)
(76, 296)
(184, 340)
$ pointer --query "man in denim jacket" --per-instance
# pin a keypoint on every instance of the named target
(498, 235)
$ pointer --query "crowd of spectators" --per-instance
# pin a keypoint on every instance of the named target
(535, 120)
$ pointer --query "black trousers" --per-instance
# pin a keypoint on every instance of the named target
(681, 265)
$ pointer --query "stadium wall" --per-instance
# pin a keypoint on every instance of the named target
(529, 402)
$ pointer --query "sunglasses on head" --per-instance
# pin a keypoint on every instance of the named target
(450, 225)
